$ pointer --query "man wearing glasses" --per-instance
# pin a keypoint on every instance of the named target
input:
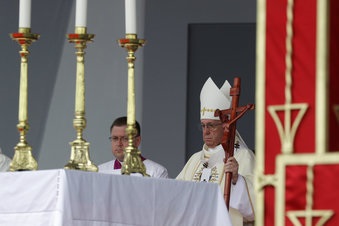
(208, 164)
(119, 141)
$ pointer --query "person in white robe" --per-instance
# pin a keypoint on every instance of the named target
(208, 164)
(4, 162)
(119, 141)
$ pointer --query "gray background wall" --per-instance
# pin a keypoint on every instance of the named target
(161, 76)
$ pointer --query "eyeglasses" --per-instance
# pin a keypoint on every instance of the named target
(118, 139)
(115, 139)
(210, 126)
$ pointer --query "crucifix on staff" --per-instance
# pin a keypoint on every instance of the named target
(229, 117)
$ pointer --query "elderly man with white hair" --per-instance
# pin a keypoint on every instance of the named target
(208, 164)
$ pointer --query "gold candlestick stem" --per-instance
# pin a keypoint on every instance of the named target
(23, 158)
(79, 159)
(132, 160)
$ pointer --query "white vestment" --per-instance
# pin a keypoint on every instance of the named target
(152, 168)
(4, 162)
(242, 193)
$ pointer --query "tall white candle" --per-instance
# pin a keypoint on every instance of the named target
(25, 13)
(81, 13)
(131, 16)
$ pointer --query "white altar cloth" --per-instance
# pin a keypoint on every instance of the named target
(77, 198)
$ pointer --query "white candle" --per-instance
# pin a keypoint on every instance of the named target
(81, 13)
(25, 13)
(131, 16)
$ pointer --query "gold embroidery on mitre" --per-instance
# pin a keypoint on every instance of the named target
(203, 110)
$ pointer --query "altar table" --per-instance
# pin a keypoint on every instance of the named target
(77, 198)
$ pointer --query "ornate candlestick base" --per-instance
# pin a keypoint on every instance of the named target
(79, 159)
(132, 162)
(132, 159)
(23, 158)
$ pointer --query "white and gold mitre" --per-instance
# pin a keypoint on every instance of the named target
(225, 89)
(213, 98)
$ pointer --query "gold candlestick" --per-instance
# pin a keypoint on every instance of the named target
(23, 158)
(132, 160)
(79, 159)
